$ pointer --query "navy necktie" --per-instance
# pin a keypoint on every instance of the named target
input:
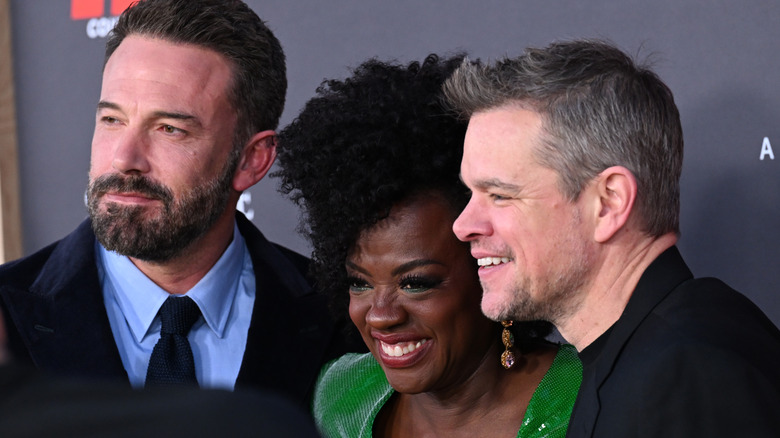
(171, 362)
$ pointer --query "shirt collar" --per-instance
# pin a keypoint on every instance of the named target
(140, 299)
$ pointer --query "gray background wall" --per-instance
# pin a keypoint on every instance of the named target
(719, 57)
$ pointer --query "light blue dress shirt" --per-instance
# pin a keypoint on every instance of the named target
(225, 296)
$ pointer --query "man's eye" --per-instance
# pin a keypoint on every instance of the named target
(168, 129)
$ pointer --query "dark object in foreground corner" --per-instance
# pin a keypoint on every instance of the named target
(32, 405)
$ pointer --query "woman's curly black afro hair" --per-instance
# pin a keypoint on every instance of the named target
(359, 147)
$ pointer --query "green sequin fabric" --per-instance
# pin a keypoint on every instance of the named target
(352, 390)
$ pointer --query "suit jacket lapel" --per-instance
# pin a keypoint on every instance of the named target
(289, 333)
(62, 317)
(659, 279)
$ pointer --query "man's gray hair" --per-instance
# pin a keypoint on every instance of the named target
(598, 108)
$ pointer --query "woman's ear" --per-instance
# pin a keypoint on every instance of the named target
(256, 160)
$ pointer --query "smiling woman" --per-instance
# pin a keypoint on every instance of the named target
(374, 162)
(409, 277)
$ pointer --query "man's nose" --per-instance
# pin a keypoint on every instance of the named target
(131, 152)
(471, 223)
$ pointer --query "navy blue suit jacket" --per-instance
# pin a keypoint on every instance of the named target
(687, 358)
(56, 318)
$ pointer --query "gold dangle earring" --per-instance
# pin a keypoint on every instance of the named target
(507, 357)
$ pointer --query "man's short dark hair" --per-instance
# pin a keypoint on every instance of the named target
(230, 28)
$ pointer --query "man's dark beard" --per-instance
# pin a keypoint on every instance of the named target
(126, 229)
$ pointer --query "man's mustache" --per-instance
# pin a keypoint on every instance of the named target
(131, 184)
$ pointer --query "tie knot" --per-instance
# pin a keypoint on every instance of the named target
(178, 314)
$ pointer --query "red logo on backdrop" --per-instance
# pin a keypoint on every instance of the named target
(83, 9)
(98, 25)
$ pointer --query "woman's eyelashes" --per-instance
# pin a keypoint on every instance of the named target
(416, 283)
(357, 285)
(413, 283)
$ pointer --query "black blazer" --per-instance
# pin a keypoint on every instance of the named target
(687, 358)
(56, 318)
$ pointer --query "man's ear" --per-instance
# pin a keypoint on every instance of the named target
(616, 194)
(256, 160)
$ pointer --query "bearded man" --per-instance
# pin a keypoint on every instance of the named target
(192, 92)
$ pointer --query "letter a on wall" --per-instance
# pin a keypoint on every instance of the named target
(766, 149)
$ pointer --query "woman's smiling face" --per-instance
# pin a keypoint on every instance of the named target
(415, 297)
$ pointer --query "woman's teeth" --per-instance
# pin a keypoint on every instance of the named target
(398, 350)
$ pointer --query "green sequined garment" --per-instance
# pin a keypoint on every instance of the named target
(352, 389)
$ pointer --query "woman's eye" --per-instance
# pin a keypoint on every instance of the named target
(415, 288)
(417, 284)
(357, 285)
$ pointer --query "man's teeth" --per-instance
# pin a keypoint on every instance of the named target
(489, 261)
(398, 350)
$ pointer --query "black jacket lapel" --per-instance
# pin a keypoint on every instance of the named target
(290, 330)
(61, 318)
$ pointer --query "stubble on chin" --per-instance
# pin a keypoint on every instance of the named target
(494, 306)
(554, 299)
(555, 294)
